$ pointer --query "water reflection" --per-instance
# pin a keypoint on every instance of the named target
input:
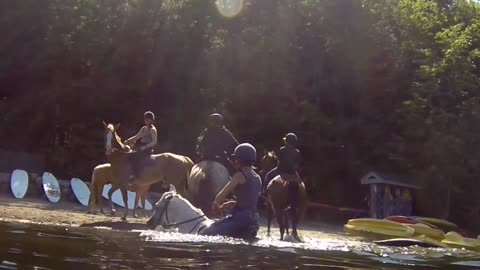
(48, 247)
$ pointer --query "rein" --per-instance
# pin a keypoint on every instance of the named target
(169, 225)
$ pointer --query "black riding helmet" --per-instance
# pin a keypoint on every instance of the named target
(216, 119)
(291, 139)
(149, 115)
(245, 153)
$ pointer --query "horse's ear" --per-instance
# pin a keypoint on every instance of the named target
(105, 125)
(172, 188)
(116, 127)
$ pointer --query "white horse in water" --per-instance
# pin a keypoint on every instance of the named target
(172, 210)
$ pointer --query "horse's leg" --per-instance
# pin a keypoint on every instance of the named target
(143, 198)
(269, 216)
(280, 220)
(100, 199)
(112, 207)
(125, 202)
(137, 197)
(285, 218)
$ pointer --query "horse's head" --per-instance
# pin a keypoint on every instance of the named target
(268, 161)
(171, 208)
(160, 214)
(112, 140)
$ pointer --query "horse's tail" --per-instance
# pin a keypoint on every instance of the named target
(293, 188)
(205, 198)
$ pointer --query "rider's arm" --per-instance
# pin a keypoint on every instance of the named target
(136, 136)
(237, 179)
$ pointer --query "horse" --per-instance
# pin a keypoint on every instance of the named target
(174, 211)
(206, 180)
(267, 163)
(101, 175)
(168, 167)
(277, 196)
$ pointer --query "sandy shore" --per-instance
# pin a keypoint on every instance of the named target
(74, 214)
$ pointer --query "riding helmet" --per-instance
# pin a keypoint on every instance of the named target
(245, 152)
(291, 138)
(149, 115)
(216, 119)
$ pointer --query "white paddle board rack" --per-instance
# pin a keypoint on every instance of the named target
(19, 183)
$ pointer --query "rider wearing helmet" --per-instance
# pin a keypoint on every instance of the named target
(289, 159)
(143, 141)
(216, 143)
(246, 186)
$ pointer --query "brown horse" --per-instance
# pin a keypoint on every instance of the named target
(267, 163)
(168, 167)
(102, 175)
(277, 196)
(206, 180)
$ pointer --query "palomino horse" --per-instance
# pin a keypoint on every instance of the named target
(168, 167)
(101, 175)
(174, 211)
(206, 180)
(277, 195)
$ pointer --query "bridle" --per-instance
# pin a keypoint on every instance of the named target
(168, 224)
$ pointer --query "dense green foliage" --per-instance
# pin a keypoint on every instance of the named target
(388, 85)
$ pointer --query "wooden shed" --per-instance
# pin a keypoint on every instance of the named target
(389, 194)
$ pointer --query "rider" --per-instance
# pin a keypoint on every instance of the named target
(144, 141)
(246, 186)
(216, 143)
(289, 158)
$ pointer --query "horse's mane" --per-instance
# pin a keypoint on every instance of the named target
(118, 139)
(178, 196)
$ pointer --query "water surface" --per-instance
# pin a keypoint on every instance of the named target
(34, 246)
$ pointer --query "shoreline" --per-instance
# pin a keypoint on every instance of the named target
(69, 214)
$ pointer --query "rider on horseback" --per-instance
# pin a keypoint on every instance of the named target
(216, 143)
(246, 186)
(144, 141)
(289, 159)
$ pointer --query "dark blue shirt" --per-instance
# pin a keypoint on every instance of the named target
(247, 194)
(289, 159)
(216, 141)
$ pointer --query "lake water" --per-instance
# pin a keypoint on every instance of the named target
(31, 246)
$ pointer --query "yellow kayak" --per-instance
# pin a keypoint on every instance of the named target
(432, 241)
(455, 240)
(377, 228)
(422, 229)
(376, 223)
(438, 222)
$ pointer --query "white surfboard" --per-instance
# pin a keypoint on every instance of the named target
(81, 191)
(19, 183)
(51, 187)
(118, 199)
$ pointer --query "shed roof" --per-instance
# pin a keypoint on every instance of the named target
(385, 178)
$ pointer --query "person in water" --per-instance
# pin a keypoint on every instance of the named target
(216, 142)
(246, 186)
(289, 159)
(143, 142)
